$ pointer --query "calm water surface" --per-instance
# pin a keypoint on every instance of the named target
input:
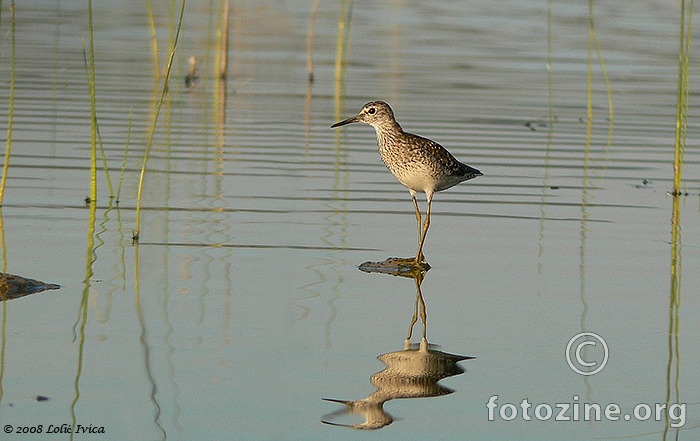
(243, 306)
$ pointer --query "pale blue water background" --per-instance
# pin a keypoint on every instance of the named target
(248, 308)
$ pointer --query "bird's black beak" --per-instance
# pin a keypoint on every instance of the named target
(346, 121)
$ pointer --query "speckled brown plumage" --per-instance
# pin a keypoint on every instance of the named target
(420, 164)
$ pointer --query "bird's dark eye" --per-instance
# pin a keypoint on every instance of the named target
(371, 110)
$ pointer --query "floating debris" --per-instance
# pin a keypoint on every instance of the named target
(14, 287)
(192, 73)
(644, 184)
(541, 123)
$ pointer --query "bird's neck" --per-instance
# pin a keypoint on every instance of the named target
(387, 133)
(388, 128)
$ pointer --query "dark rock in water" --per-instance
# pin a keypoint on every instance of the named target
(14, 287)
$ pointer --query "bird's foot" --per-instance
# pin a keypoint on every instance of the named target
(420, 261)
(410, 262)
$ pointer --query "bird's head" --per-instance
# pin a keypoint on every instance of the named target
(375, 113)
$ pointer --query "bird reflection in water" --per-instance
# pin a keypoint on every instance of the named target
(412, 372)
(14, 287)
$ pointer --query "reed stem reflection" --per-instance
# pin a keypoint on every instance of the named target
(412, 372)
(673, 365)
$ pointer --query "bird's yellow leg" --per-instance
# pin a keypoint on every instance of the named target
(415, 205)
(426, 224)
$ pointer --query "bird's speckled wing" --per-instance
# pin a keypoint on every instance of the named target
(447, 161)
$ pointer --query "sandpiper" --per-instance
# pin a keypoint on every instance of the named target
(420, 164)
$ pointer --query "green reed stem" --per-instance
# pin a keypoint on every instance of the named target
(11, 106)
(604, 72)
(154, 39)
(222, 61)
(155, 121)
(608, 89)
(682, 97)
(341, 51)
(686, 77)
(103, 157)
(95, 130)
(339, 46)
(96, 137)
(93, 119)
(593, 40)
(346, 40)
(589, 78)
(550, 80)
(126, 151)
(309, 40)
(3, 322)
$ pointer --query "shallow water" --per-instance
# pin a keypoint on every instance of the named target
(242, 305)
